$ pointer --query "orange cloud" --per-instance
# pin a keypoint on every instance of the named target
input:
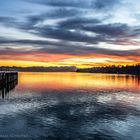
(46, 59)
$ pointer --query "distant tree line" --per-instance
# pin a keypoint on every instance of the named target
(40, 69)
(134, 69)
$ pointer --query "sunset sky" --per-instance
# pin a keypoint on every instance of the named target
(82, 33)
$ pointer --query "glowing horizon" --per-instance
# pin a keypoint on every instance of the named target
(69, 33)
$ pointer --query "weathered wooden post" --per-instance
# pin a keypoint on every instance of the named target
(8, 80)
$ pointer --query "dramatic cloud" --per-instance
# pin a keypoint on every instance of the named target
(109, 29)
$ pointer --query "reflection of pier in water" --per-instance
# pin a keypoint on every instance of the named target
(8, 81)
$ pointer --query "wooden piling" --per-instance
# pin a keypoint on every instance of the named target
(8, 80)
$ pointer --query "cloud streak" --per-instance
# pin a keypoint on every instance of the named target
(71, 28)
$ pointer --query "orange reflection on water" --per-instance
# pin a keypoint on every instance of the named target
(64, 81)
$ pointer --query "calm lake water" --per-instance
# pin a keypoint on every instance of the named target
(71, 106)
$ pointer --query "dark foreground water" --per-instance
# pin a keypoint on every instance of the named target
(71, 106)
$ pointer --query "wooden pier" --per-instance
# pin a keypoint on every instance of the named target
(8, 81)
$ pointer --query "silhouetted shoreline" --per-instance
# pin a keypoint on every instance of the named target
(133, 69)
(40, 69)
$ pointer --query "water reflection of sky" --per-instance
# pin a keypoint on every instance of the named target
(44, 81)
(73, 106)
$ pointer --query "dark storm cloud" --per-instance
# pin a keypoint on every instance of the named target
(89, 4)
(72, 23)
(109, 33)
(8, 21)
(62, 12)
(105, 4)
(54, 14)
(75, 29)
(109, 29)
(66, 35)
(78, 22)
(73, 20)
(61, 48)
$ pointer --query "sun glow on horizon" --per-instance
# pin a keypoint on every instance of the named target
(77, 33)
(79, 63)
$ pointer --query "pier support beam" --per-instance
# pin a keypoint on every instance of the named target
(8, 80)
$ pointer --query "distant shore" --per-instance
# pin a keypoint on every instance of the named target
(134, 69)
(110, 73)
